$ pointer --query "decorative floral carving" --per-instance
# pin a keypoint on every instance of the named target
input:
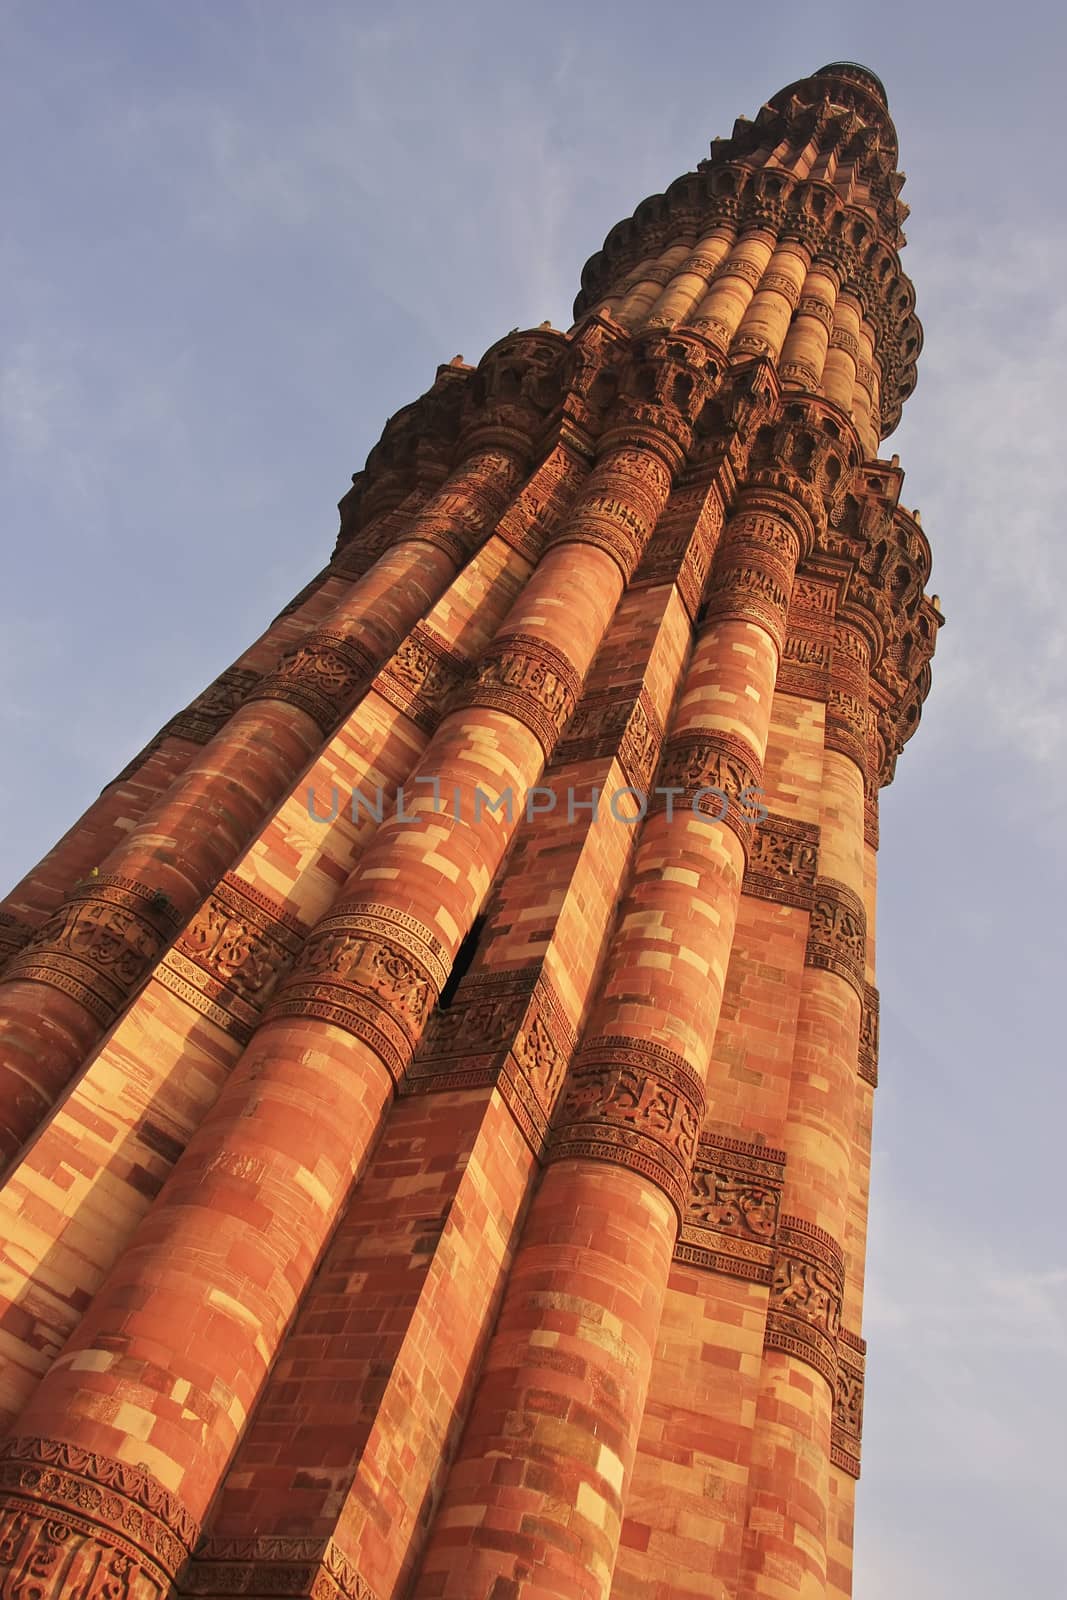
(274, 1565)
(421, 675)
(719, 764)
(618, 723)
(846, 1430)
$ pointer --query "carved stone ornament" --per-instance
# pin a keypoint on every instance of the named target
(13, 935)
(636, 1104)
(419, 678)
(683, 544)
(846, 1429)
(289, 1568)
(837, 933)
(712, 773)
(868, 1055)
(783, 862)
(232, 956)
(731, 1220)
(807, 1287)
(372, 971)
(98, 945)
(536, 514)
(619, 506)
(618, 723)
(506, 1030)
(529, 679)
(75, 1525)
(323, 677)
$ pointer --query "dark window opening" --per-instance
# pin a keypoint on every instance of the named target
(462, 963)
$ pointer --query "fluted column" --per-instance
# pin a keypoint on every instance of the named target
(215, 1270)
(71, 982)
(787, 1537)
(734, 282)
(564, 1382)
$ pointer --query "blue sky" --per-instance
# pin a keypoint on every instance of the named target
(236, 237)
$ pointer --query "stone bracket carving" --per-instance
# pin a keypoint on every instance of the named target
(783, 862)
(837, 933)
(637, 1104)
(232, 956)
(731, 1219)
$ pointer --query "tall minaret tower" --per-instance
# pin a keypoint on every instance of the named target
(436, 1075)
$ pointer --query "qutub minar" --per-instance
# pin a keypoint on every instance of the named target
(460, 1193)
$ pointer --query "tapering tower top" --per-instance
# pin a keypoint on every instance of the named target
(785, 244)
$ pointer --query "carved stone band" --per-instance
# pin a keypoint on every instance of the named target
(731, 1220)
(619, 506)
(837, 933)
(289, 1568)
(638, 1105)
(73, 1523)
(323, 677)
(869, 1028)
(232, 956)
(372, 971)
(506, 1030)
(701, 769)
(616, 723)
(846, 1429)
(98, 945)
(804, 1313)
(530, 680)
(783, 862)
(419, 678)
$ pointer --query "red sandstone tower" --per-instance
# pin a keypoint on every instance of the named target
(441, 1188)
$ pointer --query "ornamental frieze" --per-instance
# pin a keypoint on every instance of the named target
(619, 505)
(373, 971)
(846, 1428)
(506, 1030)
(77, 1524)
(13, 935)
(637, 1104)
(681, 548)
(837, 933)
(869, 1028)
(290, 1568)
(714, 774)
(98, 945)
(731, 1218)
(807, 1288)
(846, 726)
(537, 511)
(618, 724)
(232, 956)
(804, 667)
(421, 675)
(783, 862)
(202, 720)
(532, 681)
(322, 677)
